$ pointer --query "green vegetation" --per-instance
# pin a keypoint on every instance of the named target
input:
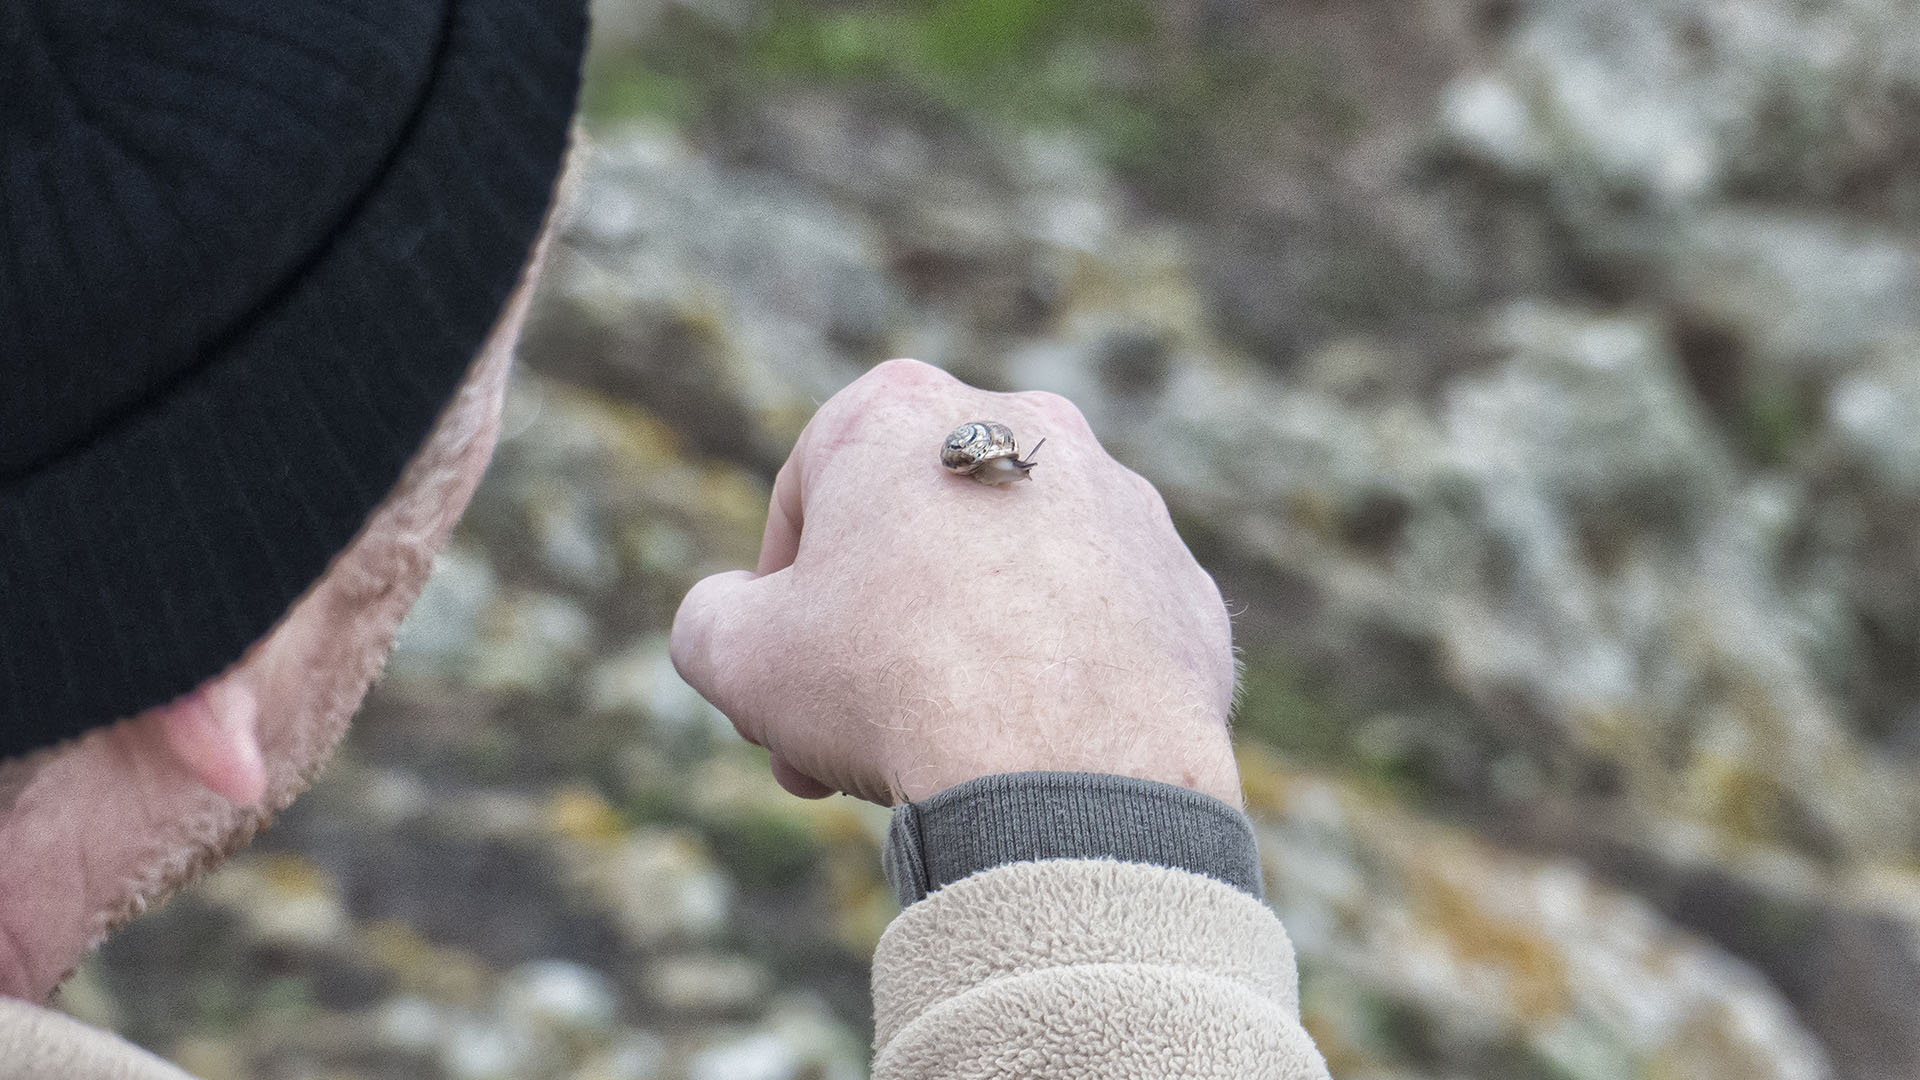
(650, 804)
(1774, 421)
(1278, 709)
(942, 46)
(764, 850)
(627, 89)
(1076, 64)
(1282, 708)
(1104, 69)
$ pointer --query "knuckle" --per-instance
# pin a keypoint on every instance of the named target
(901, 374)
(883, 385)
(1054, 407)
(687, 649)
(900, 367)
(1145, 489)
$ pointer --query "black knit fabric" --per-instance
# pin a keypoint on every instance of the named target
(165, 168)
(249, 251)
(1023, 817)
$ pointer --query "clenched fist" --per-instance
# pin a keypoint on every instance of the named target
(908, 629)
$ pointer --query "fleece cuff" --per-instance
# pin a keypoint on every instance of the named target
(1025, 817)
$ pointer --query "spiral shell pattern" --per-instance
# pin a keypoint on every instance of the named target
(986, 451)
(975, 443)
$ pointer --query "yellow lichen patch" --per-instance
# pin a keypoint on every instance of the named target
(210, 1058)
(1265, 778)
(1894, 886)
(1531, 966)
(1743, 802)
(1337, 1032)
(580, 814)
(419, 966)
(646, 464)
(1150, 280)
(740, 783)
(623, 430)
(846, 821)
(1616, 730)
(1708, 1044)
(1314, 511)
(294, 875)
(282, 898)
(863, 905)
(1326, 1028)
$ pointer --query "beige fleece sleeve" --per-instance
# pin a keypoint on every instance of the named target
(40, 1044)
(1071, 969)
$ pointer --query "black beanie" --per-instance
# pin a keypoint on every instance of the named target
(247, 253)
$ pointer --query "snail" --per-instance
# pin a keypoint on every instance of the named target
(986, 451)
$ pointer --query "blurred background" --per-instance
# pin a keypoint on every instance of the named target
(1539, 378)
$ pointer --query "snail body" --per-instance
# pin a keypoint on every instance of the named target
(986, 451)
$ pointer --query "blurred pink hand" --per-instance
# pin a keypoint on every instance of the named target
(908, 630)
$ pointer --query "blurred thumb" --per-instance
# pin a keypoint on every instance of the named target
(707, 644)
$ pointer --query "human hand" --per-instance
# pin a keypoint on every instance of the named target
(908, 629)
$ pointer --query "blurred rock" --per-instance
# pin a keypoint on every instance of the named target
(409, 1023)
(211, 1059)
(442, 629)
(760, 1056)
(285, 900)
(1592, 414)
(598, 499)
(1734, 163)
(633, 1055)
(480, 1048)
(658, 885)
(559, 997)
(708, 983)
(85, 999)
(469, 629)
(1808, 296)
(1684, 100)
(1498, 550)
(1875, 415)
(799, 1043)
(724, 301)
(641, 681)
(1495, 950)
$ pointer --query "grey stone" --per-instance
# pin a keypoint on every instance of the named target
(561, 997)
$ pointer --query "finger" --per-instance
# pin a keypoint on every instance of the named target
(797, 782)
(786, 513)
(894, 380)
(709, 645)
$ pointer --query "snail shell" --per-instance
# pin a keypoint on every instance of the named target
(986, 451)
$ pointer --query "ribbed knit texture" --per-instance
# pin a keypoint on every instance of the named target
(165, 168)
(1021, 817)
(358, 207)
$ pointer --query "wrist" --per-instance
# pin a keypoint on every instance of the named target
(1200, 763)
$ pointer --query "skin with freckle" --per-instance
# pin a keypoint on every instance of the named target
(908, 629)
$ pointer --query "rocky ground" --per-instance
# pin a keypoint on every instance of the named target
(1538, 377)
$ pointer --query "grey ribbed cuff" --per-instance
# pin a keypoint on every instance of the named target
(1022, 817)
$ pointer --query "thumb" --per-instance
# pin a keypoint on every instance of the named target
(716, 647)
(713, 633)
